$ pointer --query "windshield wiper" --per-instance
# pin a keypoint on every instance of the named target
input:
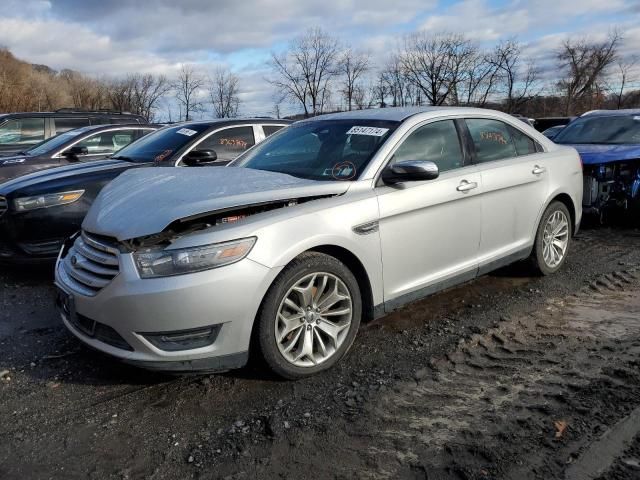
(120, 157)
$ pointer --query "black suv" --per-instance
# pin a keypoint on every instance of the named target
(40, 210)
(79, 145)
(20, 131)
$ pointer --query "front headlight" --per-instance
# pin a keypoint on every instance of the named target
(153, 263)
(48, 200)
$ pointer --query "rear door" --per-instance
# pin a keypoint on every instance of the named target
(515, 182)
(430, 230)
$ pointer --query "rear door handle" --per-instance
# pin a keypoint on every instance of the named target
(538, 170)
(465, 186)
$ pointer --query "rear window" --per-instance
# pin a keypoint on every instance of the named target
(64, 124)
(492, 139)
(22, 131)
(271, 129)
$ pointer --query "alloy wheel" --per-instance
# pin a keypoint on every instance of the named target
(313, 319)
(555, 239)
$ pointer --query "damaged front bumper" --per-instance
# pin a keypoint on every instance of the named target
(612, 186)
(193, 322)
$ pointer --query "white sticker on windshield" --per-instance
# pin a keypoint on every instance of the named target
(372, 131)
(636, 118)
(186, 131)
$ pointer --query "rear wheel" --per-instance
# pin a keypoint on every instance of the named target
(309, 317)
(553, 239)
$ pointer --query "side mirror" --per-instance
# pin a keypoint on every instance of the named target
(410, 171)
(200, 158)
(74, 152)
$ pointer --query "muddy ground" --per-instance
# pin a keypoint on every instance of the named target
(510, 376)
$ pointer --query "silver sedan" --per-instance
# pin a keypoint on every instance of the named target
(329, 222)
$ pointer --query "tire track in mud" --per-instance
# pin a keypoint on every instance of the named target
(479, 410)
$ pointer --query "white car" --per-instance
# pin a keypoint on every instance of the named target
(332, 220)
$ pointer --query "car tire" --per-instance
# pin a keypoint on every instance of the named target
(548, 256)
(286, 300)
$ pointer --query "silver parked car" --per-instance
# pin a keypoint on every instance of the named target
(330, 221)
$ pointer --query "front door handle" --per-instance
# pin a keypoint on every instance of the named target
(465, 186)
(538, 170)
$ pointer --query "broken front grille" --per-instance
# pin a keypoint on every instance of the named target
(91, 264)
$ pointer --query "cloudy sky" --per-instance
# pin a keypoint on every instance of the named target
(115, 37)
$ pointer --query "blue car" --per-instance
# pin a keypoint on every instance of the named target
(608, 142)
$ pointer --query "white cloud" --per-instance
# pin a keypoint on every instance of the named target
(115, 37)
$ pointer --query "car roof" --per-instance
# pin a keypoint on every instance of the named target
(218, 122)
(112, 126)
(612, 113)
(74, 113)
(400, 114)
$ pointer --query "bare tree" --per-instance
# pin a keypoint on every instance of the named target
(148, 90)
(584, 64)
(86, 93)
(223, 92)
(518, 78)
(187, 88)
(303, 73)
(395, 79)
(478, 80)
(351, 65)
(625, 73)
(434, 63)
(138, 93)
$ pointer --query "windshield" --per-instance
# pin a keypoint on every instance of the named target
(162, 144)
(611, 130)
(335, 150)
(52, 143)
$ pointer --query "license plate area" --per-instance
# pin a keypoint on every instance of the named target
(67, 306)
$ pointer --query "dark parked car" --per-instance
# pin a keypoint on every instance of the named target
(80, 145)
(38, 211)
(608, 142)
(20, 131)
(552, 132)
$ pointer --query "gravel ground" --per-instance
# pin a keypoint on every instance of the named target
(509, 376)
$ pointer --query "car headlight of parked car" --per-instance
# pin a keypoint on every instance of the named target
(49, 200)
(152, 263)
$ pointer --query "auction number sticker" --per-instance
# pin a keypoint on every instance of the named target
(186, 131)
(371, 131)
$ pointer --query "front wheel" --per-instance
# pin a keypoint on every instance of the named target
(309, 317)
(553, 239)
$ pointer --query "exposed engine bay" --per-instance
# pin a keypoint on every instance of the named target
(611, 186)
(211, 219)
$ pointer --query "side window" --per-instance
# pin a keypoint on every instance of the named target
(524, 144)
(22, 131)
(437, 142)
(492, 139)
(63, 124)
(229, 143)
(271, 129)
(105, 143)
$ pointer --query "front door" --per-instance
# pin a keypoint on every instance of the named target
(430, 230)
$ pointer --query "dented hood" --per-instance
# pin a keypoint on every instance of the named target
(145, 201)
(596, 154)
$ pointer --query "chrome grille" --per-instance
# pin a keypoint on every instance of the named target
(90, 264)
(3, 205)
